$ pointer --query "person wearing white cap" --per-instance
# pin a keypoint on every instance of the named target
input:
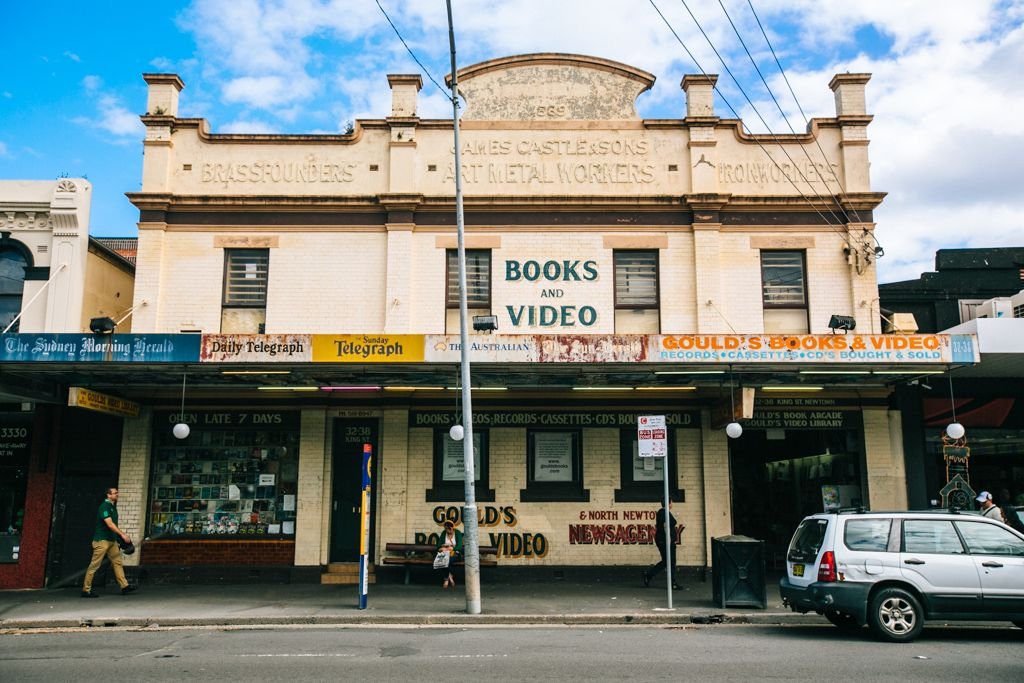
(988, 508)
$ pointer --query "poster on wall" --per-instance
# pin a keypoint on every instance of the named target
(646, 469)
(453, 461)
(552, 456)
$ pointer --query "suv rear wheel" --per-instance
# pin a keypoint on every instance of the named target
(895, 615)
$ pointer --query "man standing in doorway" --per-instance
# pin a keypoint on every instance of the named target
(664, 517)
(104, 544)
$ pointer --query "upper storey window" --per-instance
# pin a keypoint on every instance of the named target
(784, 292)
(244, 309)
(478, 287)
(636, 291)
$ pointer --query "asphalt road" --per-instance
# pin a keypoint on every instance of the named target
(705, 653)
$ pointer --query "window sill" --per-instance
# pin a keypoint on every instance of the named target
(560, 494)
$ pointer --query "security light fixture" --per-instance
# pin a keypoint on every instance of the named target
(842, 322)
(485, 323)
(103, 325)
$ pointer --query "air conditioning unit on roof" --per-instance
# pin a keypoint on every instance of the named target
(1017, 304)
(995, 308)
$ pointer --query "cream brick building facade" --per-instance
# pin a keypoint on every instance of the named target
(559, 172)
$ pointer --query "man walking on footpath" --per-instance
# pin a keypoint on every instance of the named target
(664, 517)
(104, 544)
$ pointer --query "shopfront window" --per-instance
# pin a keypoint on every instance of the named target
(15, 443)
(554, 467)
(643, 479)
(449, 468)
(235, 475)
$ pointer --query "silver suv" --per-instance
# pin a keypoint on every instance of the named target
(893, 570)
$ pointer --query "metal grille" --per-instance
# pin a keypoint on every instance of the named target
(782, 277)
(636, 279)
(478, 278)
(245, 277)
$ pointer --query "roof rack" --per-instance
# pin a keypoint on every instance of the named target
(951, 510)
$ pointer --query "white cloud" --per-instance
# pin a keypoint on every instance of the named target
(92, 83)
(3, 150)
(268, 92)
(72, 56)
(250, 126)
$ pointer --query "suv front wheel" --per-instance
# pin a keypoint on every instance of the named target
(895, 615)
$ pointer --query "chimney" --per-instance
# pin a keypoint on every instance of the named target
(163, 94)
(700, 95)
(404, 89)
(849, 90)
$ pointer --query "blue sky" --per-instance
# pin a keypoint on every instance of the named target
(947, 139)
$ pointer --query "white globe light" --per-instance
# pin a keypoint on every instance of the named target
(180, 431)
(456, 432)
(955, 430)
(734, 430)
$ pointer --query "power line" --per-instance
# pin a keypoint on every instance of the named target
(756, 111)
(792, 92)
(755, 139)
(412, 54)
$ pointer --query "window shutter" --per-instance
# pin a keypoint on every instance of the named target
(245, 278)
(636, 279)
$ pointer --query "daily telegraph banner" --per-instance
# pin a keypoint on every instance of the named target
(868, 349)
(116, 348)
(257, 348)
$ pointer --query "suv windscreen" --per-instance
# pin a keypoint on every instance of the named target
(867, 534)
(807, 540)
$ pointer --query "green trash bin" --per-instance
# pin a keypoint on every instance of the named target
(737, 572)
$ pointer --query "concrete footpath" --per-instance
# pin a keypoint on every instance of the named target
(532, 602)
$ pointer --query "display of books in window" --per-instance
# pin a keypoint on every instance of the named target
(225, 480)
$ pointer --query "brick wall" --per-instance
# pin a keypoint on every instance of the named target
(199, 552)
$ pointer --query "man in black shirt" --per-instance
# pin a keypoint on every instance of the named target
(659, 540)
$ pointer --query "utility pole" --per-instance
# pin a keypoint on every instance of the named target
(471, 535)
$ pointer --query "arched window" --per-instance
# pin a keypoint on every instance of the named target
(12, 282)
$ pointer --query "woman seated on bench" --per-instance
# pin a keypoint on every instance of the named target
(450, 542)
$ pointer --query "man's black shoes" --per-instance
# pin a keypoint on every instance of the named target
(646, 579)
(90, 594)
(129, 589)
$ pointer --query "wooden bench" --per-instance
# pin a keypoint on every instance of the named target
(412, 555)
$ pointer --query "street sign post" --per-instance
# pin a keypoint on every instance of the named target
(364, 525)
(652, 442)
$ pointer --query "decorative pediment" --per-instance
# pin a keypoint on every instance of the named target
(551, 87)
